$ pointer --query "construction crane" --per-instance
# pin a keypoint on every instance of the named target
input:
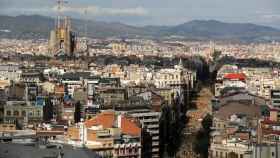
(86, 32)
(60, 4)
(86, 22)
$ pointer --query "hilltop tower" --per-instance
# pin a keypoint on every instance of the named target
(62, 39)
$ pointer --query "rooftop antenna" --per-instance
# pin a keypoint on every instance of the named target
(60, 4)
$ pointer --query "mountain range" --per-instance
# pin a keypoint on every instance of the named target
(36, 26)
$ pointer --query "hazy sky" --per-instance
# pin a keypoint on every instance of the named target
(155, 12)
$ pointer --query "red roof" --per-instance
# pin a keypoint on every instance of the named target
(271, 122)
(130, 127)
(106, 119)
(59, 89)
(270, 132)
(235, 76)
(274, 109)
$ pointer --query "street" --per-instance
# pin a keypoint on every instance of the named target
(202, 104)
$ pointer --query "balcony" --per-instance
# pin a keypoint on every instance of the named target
(153, 126)
(155, 144)
(155, 138)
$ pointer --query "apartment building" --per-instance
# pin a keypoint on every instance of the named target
(22, 112)
(10, 72)
(109, 135)
(150, 122)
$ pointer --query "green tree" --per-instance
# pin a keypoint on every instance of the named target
(216, 55)
(202, 142)
(207, 123)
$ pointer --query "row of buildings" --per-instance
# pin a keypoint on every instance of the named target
(245, 113)
(257, 81)
(99, 108)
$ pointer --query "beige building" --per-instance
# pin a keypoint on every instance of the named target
(119, 47)
(166, 93)
(112, 95)
(176, 76)
(22, 112)
(230, 148)
(7, 127)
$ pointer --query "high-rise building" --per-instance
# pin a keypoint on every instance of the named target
(150, 122)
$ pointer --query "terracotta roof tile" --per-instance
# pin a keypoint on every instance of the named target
(106, 119)
(130, 127)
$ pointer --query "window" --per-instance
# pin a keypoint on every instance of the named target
(241, 155)
(276, 101)
(23, 113)
(272, 154)
(16, 113)
(8, 113)
(38, 113)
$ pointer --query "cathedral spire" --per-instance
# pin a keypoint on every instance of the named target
(181, 62)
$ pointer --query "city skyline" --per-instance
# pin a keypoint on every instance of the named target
(155, 12)
(140, 78)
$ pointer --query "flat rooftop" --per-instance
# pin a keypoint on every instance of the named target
(9, 150)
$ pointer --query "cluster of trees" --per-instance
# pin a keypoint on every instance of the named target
(172, 123)
(189, 62)
(202, 142)
(245, 62)
(40, 58)
(216, 55)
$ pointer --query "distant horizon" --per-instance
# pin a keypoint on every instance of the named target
(156, 12)
(77, 18)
